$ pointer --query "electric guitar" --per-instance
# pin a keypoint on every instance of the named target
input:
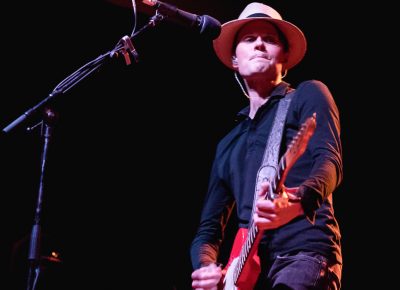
(243, 267)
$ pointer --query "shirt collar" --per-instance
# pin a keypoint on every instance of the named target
(279, 92)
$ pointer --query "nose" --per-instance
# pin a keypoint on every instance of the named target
(259, 43)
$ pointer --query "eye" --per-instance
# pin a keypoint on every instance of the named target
(249, 38)
(272, 39)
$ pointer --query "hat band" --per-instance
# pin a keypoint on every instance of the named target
(258, 15)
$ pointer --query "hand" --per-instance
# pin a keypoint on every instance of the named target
(206, 278)
(271, 214)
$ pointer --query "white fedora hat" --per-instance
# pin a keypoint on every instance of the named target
(223, 44)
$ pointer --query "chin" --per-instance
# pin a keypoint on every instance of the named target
(260, 67)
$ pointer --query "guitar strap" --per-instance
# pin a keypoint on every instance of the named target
(269, 166)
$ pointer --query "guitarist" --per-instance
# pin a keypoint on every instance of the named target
(300, 246)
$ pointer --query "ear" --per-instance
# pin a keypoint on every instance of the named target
(234, 61)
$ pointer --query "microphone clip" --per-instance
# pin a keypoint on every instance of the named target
(128, 49)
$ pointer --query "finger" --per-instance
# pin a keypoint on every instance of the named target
(263, 205)
(291, 189)
(207, 284)
(266, 223)
(263, 188)
(265, 217)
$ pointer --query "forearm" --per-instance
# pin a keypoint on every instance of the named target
(203, 254)
(318, 187)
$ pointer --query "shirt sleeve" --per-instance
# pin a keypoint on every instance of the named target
(218, 205)
(324, 146)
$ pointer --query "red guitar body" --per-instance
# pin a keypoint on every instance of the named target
(251, 268)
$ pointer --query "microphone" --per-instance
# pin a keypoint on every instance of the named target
(205, 24)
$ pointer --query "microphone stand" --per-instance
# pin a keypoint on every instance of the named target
(124, 47)
(34, 245)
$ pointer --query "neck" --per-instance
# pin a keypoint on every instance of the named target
(259, 94)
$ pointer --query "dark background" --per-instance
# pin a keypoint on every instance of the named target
(131, 151)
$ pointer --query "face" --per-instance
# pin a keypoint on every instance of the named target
(259, 51)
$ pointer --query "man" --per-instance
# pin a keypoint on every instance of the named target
(300, 245)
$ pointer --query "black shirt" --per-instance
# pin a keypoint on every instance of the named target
(318, 172)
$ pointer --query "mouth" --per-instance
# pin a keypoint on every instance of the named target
(260, 56)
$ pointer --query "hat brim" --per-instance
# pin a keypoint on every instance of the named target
(223, 44)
